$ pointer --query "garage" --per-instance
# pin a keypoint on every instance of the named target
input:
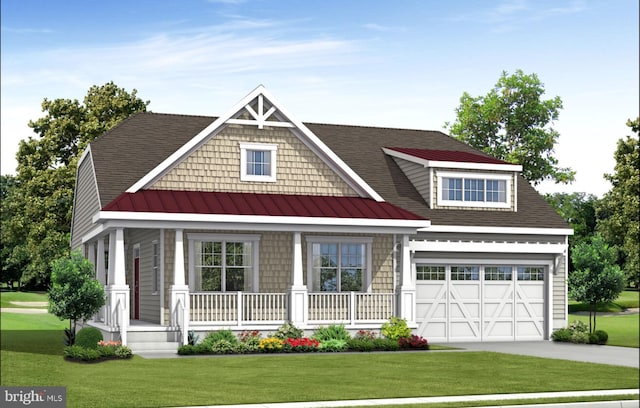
(475, 302)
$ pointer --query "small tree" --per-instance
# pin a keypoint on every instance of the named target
(74, 294)
(596, 277)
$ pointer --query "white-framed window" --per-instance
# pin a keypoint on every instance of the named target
(431, 272)
(530, 273)
(155, 267)
(258, 162)
(474, 190)
(465, 272)
(339, 264)
(223, 263)
(498, 273)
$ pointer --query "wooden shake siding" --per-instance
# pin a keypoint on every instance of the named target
(382, 264)
(149, 302)
(559, 282)
(276, 261)
(86, 201)
(417, 175)
(215, 166)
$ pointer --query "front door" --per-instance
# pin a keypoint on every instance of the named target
(136, 284)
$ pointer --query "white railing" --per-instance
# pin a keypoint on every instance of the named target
(350, 307)
(118, 320)
(238, 307)
(179, 319)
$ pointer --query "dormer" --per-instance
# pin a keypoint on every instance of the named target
(459, 180)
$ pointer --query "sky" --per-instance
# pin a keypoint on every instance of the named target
(401, 63)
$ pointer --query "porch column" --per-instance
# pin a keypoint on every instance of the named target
(118, 290)
(407, 292)
(91, 253)
(179, 292)
(298, 299)
(100, 275)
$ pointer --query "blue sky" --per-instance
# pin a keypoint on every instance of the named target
(382, 63)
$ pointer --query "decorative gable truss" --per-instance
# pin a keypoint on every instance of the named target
(259, 108)
(457, 179)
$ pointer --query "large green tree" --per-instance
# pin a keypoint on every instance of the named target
(619, 211)
(579, 211)
(41, 203)
(513, 122)
(596, 278)
(12, 261)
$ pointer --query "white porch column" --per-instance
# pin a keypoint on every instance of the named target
(298, 299)
(102, 278)
(91, 253)
(407, 292)
(179, 292)
(118, 290)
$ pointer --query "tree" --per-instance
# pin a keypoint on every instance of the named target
(512, 123)
(13, 261)
(579, 210)
(40, 224)
(618, 213)
(75, 293)
(596, 278)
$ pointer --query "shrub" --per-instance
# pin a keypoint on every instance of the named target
(384, 344)
(598, 337)
(88, 337)
(192, 338)
(578, 326)
(561, 335)
(333, 345)
(251, 338)
(579, 337)
(365, 334)
(288, 331)
(223, 346)
(80, 353)
(187, 349)
(332, 332)
(301, 345)
(215, 336)
(123, 352)
(413, 342)
(395, 328)
(361, 344)
(271, 345)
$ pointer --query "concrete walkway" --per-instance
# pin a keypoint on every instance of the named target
(457, 399)
(590, 353)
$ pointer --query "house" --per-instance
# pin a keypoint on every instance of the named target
(254, 218)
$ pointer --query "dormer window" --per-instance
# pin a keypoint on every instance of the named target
(258, 162)
(474, 190)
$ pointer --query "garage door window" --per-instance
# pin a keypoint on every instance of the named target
(530, 273)
(465, 273)
(430, 272)
(498, 273)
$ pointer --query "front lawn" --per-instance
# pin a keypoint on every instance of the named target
(6, 297)
(30, 357)
(627, 299)
(623, 330)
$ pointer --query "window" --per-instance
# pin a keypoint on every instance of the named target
(429, 272)
(465, 273)
(223, 263)
(530, 273)
(482, 190)
(155, 266)
(339, 266)
(258, 162)
(497, 273)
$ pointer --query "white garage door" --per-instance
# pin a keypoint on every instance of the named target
(480, 302)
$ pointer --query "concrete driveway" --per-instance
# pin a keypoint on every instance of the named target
(590, 353)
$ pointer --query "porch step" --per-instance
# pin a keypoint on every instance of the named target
(154, 346)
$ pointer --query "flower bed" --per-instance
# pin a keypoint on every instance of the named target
(111, 350)
(289, 339)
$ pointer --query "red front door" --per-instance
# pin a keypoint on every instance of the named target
(136, 288)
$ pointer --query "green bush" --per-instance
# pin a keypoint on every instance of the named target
(579, 337)
(384, 344)
(76, 352)
(561, 335)
(187, 349)
(288, 331)
(395, 328)
(223, 346)
(599, 337)
(332, 345)
(579, 327)
(360, 344)
(88, 337)
(215, 336)
(332, 332)
(123, 352)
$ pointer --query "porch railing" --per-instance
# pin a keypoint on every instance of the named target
(238, 307)
(350, 307)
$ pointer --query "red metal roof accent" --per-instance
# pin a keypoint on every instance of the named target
(220, 203)
(447, 155)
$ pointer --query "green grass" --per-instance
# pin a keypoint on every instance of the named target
(6, 297)
(34, 357)
(623, 330)
(627, 299)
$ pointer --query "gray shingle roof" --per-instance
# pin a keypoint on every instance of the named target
(130, 150)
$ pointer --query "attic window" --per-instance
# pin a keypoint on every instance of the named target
(474, 190)
(258, 162)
